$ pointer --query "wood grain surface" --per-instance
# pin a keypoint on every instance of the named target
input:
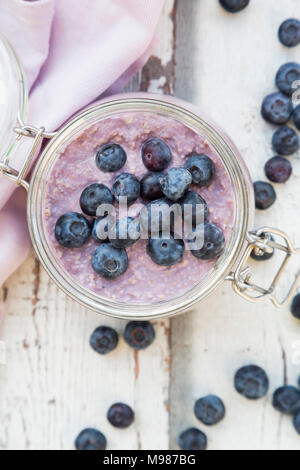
(52, 384)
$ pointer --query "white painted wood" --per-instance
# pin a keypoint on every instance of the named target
(226, 64)
(53, 384)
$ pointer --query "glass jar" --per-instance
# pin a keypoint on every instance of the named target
(231, 266)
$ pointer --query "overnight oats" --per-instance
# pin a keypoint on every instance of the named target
(154, 163)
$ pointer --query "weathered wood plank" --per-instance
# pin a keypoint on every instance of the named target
(226, 64)
(53, 384)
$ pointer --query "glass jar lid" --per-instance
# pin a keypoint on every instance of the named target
(13, 96)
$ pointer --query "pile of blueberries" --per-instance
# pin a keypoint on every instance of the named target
(277, 108)
(159, 190)
(250, 381)
(138, 335)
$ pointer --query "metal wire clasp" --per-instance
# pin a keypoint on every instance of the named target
(38, 134)
(261, 242)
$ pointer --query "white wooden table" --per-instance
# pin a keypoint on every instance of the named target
(53, 384)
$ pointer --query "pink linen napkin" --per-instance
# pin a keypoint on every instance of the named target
(72, 52)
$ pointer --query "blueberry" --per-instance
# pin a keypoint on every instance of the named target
(120, 415)
(165, 251)
(289, 32)
(252, 382)
(295, 307)
(175, 183)
(285, 141)
(192, 439)
(287, 400)
(139, 334)
(278, 169)
(210, 410)
(277, 108)
(213, 241)
(110, 262)
(126, 185)
(299, 381)
(111, 157)
(159, 216)
(265, 195)
(72, 230)
(234, 6)
(296, 117)
(201, 167)
(296, 422)
(263, 257)
(194, 208)
(286, 76)
(125, 232)
(156, 154)
(150, 186)
(93, 196)
(100, 229)
(104, 339)
(90, 439)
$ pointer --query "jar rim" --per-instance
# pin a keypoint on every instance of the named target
(217, 140)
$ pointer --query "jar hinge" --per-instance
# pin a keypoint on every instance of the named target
(38, 134)
(261, 241)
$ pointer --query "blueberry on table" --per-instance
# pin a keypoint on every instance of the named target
(285, 141)
(296, 117)
(295, 307)
(93, 196)
(252, 382)
(234, 6)
(125, 232)
(289, 32)
(278, 169)
(90, 439)
(100, 229)
(111, 157)
(296, 422)
(201, 167)
(120, 415)
(150, 186)
(277, 108)
(265, 256)
(213, 241)
(287, 400)
(104, 339)
(286, 76)
(165, 250)
(175, 183)
(156, 154)
(158, 216)
(110, 262)
(139, 334)
(192, 439)
(194, 208)
(126, 185)
(265, 195)
(72, 230)
(210, 410)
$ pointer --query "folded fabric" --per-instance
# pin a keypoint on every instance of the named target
(72, 52)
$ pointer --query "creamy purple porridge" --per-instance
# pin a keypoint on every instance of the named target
(144, 281)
